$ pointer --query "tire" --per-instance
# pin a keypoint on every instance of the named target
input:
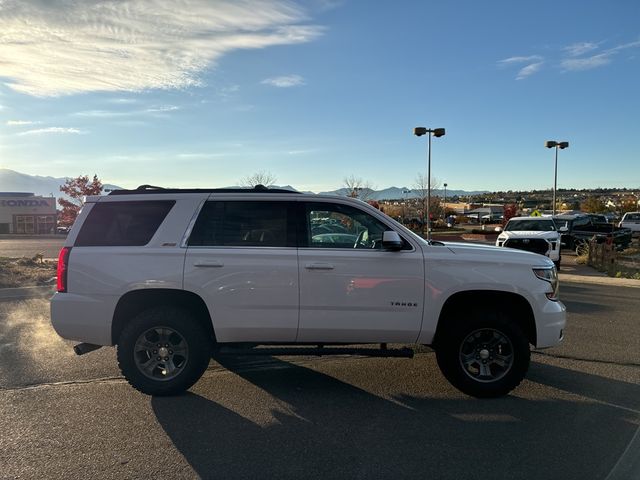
(494, 337)
(184, 352)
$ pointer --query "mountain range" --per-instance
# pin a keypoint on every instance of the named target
(12, 181)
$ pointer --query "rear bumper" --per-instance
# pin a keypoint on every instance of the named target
(550, 324)
(83, 318)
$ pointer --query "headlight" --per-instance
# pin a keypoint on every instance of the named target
(549, 274)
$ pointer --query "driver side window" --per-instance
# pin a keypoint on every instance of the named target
(342, 226)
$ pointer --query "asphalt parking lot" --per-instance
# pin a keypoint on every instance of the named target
(576, 416)
(28, 246)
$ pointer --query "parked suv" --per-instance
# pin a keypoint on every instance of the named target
(533, 234)
(631, 220)
(174, 277)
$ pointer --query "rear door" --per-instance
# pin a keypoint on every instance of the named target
(242, 260)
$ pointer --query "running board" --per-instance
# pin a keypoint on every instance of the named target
(404, 352)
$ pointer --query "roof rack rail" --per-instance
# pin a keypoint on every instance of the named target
(151, 189)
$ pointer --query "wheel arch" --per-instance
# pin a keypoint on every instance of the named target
(487, 300)
(136, 301)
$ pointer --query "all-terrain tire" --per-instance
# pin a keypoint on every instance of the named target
(182, 332)
(463, 341)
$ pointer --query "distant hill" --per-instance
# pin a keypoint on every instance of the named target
(12, 181)
(395, 193)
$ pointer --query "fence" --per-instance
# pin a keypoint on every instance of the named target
(603, 257)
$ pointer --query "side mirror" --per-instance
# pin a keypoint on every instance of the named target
(391, 240)
(498, 229)
(563, 229)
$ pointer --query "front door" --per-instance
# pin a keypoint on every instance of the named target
(351, 289)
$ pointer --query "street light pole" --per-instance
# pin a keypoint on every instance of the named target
(438, 132)
(556, 145)
(444, 210)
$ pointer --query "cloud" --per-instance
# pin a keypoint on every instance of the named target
(593, 61)
(577, 49)
(57, 130)
(284, 81)
(16, 123)
(60, 48)
(516, 60)
(528, 70)
(577, 64)
(156, 109)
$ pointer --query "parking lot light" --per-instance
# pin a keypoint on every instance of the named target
(437, 132)
(561, 146)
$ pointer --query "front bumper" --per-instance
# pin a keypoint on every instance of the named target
(550, 324)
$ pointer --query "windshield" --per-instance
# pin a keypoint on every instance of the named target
(530, 226)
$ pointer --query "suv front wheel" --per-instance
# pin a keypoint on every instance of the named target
(163, 351)
(487, 356)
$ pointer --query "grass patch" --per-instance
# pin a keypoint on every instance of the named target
(26, 272)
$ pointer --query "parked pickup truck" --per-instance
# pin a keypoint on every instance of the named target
(173, 277)
(576, 231)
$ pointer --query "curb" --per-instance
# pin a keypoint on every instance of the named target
(593, 280)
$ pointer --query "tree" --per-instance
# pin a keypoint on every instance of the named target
(76, 188)
(263, 177)
(593, 205)
(420, 189)
(358, 187)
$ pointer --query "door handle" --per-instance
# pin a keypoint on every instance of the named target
(319, 266)
(209, 264)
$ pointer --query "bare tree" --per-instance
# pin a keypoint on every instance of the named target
(358, 187)
(420, 188)
(263, 177)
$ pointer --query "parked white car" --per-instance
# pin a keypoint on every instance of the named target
(172, 277)
(631, 220)
(533, 234)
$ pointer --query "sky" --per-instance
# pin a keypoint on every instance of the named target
(194, 93)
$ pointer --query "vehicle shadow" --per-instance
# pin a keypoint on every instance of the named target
(331, 429)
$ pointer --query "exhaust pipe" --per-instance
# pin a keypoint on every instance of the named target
(83, 348)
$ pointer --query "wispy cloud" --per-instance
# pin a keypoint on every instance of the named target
(577, 64)
(122, 101)
(534, 63)
(570, 58)
(18, 123)
(528, 70)
(517, 60)
(284, 81)
(580, 48)
(51, 49)
(605, 57)
(52, 130)
(155, 109)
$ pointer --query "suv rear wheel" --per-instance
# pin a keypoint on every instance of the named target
(487, 356)
(163, 351)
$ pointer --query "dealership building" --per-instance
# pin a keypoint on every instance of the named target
(26, 213)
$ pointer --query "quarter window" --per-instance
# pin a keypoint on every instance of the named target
(111, 224)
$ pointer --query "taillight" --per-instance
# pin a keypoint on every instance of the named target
(63, 264)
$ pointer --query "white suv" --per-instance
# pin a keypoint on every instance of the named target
(631, 220)
(533, 234)
(174, 277)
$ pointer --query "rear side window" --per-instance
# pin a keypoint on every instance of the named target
(245, 224)
(112, 224)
